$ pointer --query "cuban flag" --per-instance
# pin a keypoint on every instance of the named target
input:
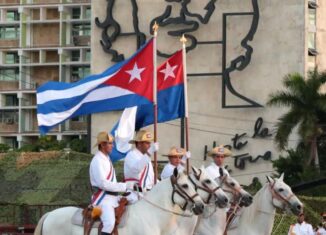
(126, 84)
(170, 105)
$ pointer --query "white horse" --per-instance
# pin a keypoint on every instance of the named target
(214, 222)
(209, 191)
(159, 212)
(258, 219)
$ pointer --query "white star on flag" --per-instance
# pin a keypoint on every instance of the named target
(168, 71)
(135, 73)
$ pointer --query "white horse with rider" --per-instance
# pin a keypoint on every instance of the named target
(159, 212)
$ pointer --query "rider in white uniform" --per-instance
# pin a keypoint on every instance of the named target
(104, 182)
(177, 159)
(138, 167)
(301, 227)
(218, 154)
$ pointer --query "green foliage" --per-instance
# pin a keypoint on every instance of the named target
(44, 143)
(29, 148)
(296, 171)
(291, 165)
(78, 145)
(306, 103)
(4, 148)
(254, 186)
(49, 143)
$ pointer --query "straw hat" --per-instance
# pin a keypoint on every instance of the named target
(220, 150)
(103, 136)
(175, 152)
(142, 136)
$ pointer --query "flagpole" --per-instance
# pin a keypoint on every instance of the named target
(183, 40)
(155, 28)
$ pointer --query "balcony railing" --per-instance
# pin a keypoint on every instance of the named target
(8, 127)
(81, 40)
(9, 43)
(9, 85)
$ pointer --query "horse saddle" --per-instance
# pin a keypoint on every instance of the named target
(83, 218)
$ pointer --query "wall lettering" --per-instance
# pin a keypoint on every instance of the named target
(241, 159)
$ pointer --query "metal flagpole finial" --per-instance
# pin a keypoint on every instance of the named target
(183, 39)
(155, 27)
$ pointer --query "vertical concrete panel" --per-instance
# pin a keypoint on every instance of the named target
(278, 49)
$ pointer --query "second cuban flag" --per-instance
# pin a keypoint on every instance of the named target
(170, 103)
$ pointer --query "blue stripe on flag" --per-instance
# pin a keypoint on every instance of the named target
(118, 103)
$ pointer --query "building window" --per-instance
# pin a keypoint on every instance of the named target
(11, 100)
(9, 74)
(311, 40)
(78, 73)
(11, 58)
(75, 55)
(8, 117)
(81, 29)
(79, 119)
(12, 15)
(88, 13)
(312, 16)
(75, 14)
(11, 32)
(88, 55)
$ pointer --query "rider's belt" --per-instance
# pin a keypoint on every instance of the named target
(106, 192)
(112, 193)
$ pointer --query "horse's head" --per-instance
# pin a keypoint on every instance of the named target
(184, 194)
(207, 188)
(283, 197)
(236, 193)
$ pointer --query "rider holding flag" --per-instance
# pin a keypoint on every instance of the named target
(104, 183)
(138, 167)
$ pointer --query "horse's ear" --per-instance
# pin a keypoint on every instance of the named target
(269, 179)
(281, 177)
(194, 170)
(175, 172)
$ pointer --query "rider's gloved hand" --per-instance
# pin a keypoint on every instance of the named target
(185, 157)
(154, 148)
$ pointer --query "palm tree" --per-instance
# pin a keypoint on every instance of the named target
(307, 110)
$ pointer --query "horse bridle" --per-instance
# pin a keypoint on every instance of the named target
(234, 191)
(204, 187)
(278, 196)
(177, 189)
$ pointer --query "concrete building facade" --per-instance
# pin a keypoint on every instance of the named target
(240, 50)
(40, 41)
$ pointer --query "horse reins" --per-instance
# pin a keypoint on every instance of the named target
(235, 191)
(205, 188)
(182, 194)
(177, 189)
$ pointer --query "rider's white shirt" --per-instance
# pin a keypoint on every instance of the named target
(321, 231)
(213, 170)
(301, 229)
(102, 176)
(168, 170)
(139, 166)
